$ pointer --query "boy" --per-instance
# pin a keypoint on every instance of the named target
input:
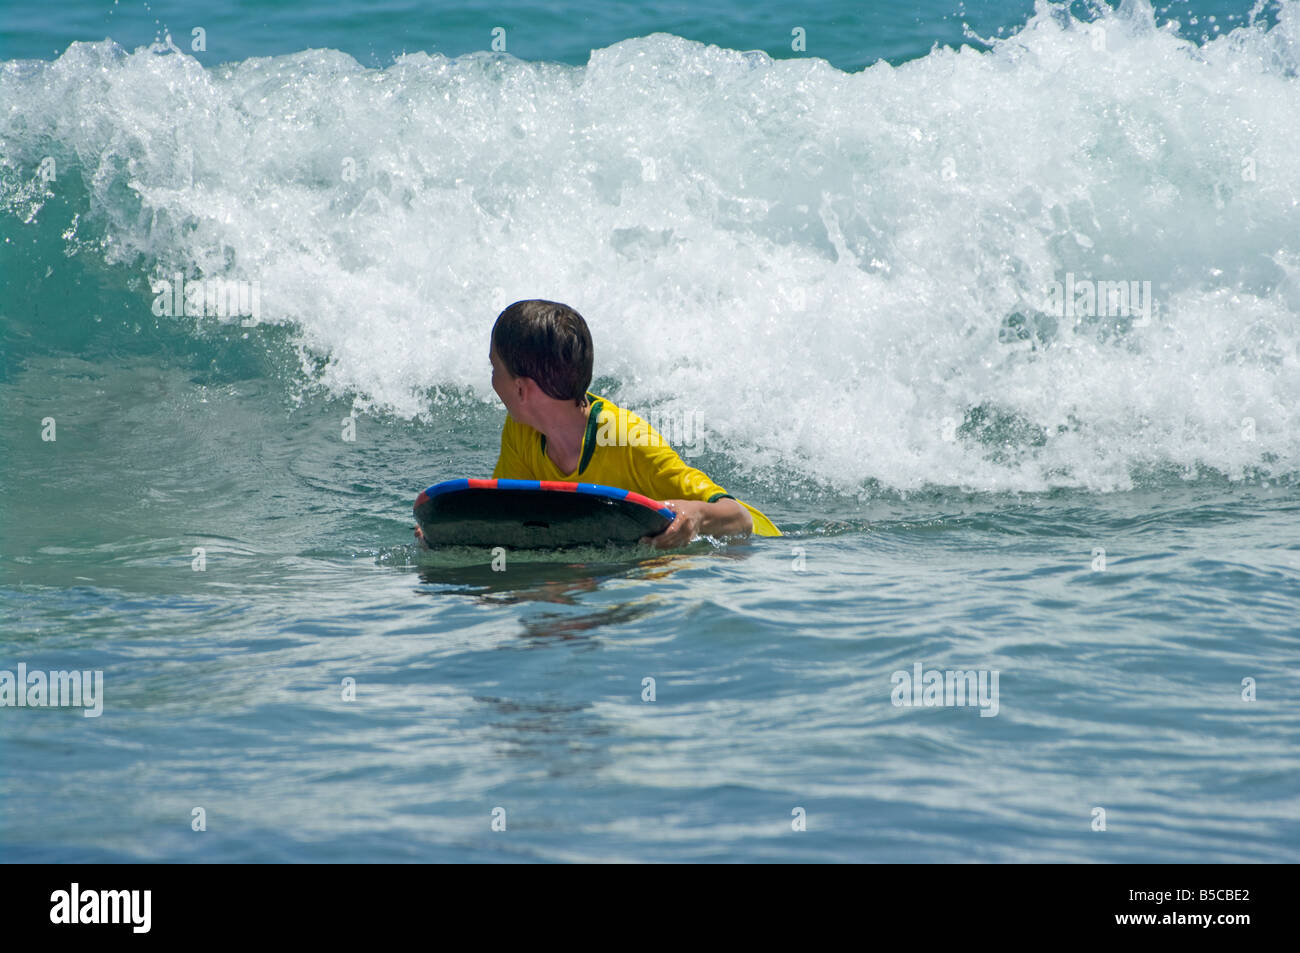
(555, 429)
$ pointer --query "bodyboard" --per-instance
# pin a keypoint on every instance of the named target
(535, 514)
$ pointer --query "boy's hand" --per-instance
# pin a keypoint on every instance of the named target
(697, 518)
(686, 525)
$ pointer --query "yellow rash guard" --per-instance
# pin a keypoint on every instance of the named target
(642, 462)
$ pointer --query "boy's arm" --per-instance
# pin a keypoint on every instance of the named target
(723, 517)
(509, 465)
(703, 507)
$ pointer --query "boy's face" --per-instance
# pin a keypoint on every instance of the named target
(504, 385)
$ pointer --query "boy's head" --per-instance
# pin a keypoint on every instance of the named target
(544, 342)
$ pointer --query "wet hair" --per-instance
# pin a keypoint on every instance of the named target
(548, 342)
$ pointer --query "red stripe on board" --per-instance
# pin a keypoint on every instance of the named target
(422, 498)
(479, 484)
(558, 485)
(643, 500)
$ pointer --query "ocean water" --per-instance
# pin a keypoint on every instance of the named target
(841, 262)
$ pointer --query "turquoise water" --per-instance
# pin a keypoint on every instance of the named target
(836, 257)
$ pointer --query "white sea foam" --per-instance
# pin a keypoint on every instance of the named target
(841, 270)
